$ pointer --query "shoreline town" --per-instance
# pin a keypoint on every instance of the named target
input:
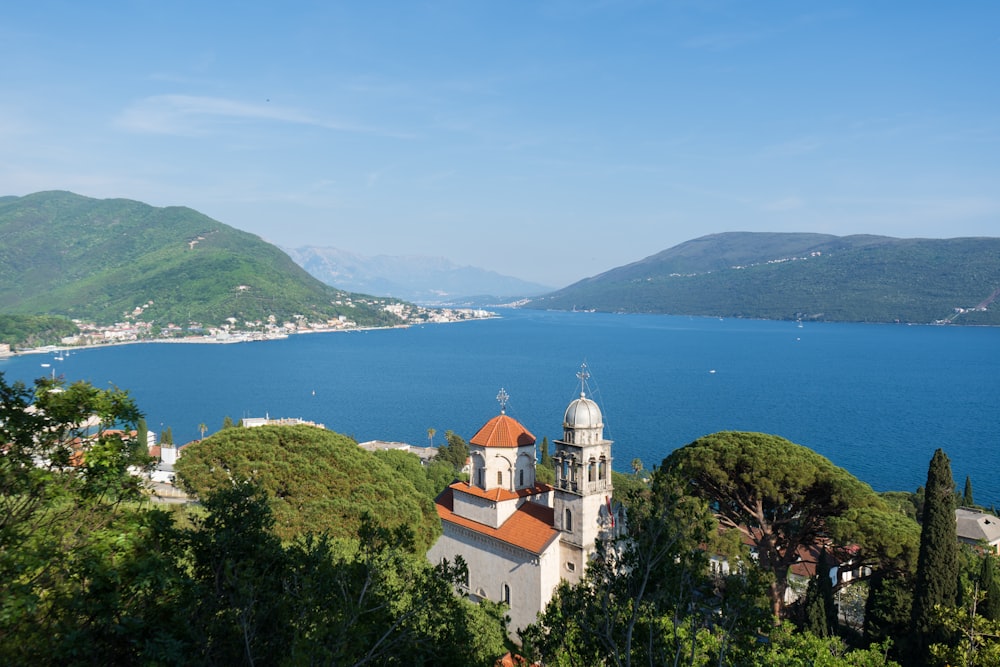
(127, 333)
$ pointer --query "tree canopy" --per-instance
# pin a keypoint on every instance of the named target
(318, 481)
(783, 497)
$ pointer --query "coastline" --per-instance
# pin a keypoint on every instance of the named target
(228, 340)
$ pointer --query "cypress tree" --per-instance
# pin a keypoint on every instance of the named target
(820, 607)
(967, 500)
(546, 458)
(937, 563)
(989, 583)
(142, 437)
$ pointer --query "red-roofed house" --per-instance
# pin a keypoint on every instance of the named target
(518, 537)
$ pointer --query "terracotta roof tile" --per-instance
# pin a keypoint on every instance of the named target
(530, 527)
(499, 494)
(503, 431)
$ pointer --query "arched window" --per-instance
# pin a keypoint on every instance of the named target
(568, 523)
(590, 471)
(601, 469)
(499, 477)
(505, 594)
(520, 478)
(482, 481)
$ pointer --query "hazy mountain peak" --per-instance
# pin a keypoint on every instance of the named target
(417, 278)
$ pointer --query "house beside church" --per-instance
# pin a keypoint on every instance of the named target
(519, 537)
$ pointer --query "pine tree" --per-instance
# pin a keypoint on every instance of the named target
(937, 564)
(967, 500)
(227, 422)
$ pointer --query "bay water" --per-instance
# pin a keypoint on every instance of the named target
(875, 399)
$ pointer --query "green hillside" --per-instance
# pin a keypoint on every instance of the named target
(98, 260)
(802, 276)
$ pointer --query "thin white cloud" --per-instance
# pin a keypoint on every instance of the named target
(192, 115)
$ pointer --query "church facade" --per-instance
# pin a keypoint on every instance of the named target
(518, 537)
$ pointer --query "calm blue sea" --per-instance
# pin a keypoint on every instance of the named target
(875, 399)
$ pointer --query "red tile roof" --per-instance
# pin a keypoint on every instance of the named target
(530, 527)
(503, 431)
(499, 494)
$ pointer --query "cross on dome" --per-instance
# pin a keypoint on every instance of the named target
(503, 397)
(583, 375)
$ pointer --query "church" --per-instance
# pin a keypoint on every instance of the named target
(520, 537)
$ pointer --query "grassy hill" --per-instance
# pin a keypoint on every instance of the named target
(802, 276)
(98, 260)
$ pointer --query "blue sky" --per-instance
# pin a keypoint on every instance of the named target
(546, 140)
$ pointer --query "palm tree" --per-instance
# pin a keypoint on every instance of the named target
(202, 428)
(430, 435)
(636, 466)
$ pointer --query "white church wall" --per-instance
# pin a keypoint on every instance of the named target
(493, 564)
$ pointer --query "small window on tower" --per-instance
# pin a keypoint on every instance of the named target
(499, 477)
(568, 523)
(520, 480)
(571, 567)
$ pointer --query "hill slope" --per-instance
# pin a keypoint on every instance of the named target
(424, 280)
(802, 276)
(100, 259)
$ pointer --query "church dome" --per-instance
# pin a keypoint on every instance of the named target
(583, 413)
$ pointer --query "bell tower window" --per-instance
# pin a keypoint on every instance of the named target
(568, 523)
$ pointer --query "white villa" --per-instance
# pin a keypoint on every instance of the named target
(519, 537)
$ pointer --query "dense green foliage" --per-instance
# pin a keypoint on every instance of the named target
(989, 584)
(455, 451)
(801, 276)
(938, 565)
(67, 528)
(89, 574)
(785, 499)
(318, 481)
(648, 598)
(430, 480)
(34, 330)
(98, 260)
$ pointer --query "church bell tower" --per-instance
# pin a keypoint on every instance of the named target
(583, 487)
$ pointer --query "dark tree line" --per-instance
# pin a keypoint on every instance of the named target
(90, 573)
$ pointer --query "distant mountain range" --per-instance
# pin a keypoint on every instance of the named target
(803, 276)
(108, 260)
(113, 259)
(424, 280)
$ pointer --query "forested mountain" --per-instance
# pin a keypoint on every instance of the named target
(424, 280)
(803, 276)
(93, 259)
